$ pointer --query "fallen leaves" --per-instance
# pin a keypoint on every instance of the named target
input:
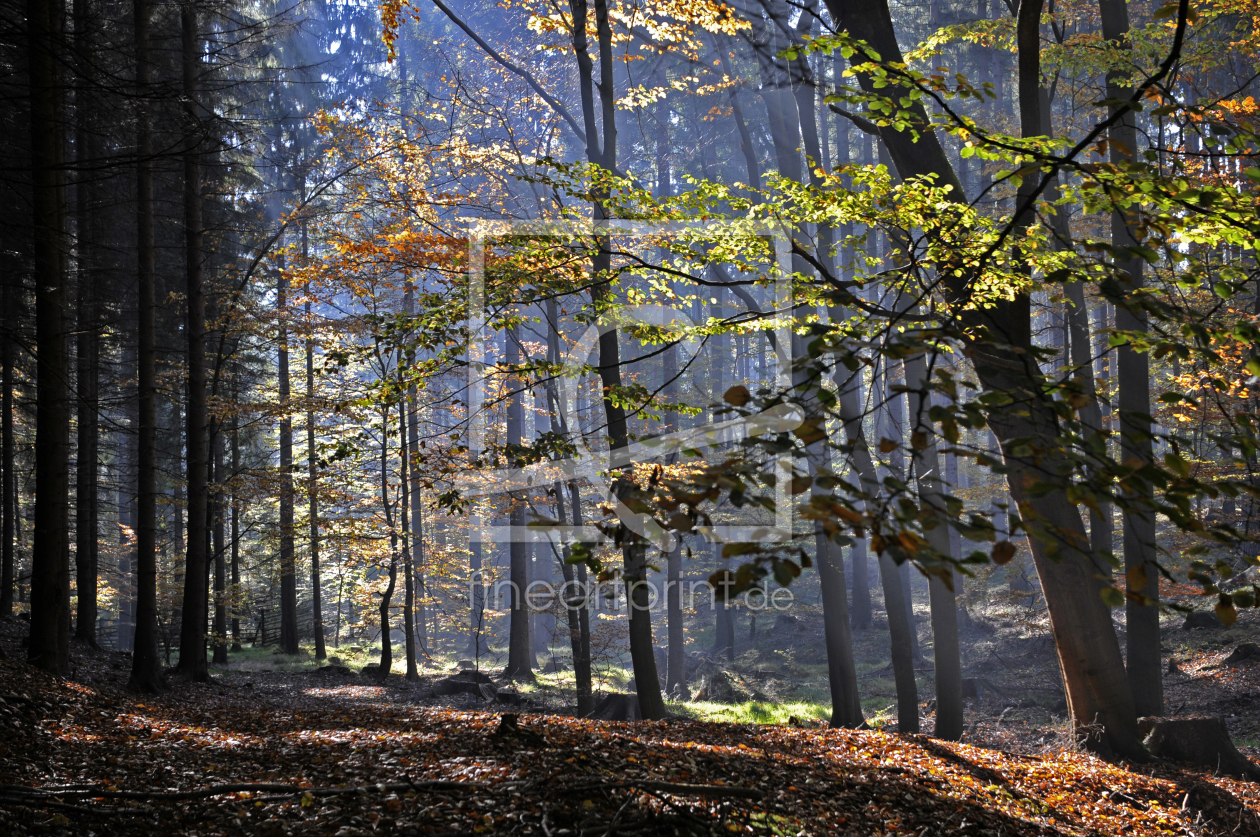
(222, 759)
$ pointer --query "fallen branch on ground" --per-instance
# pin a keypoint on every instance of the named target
(28, 794)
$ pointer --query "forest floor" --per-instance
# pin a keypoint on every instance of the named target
(293, 751)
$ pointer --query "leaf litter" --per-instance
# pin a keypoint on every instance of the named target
(284, 758)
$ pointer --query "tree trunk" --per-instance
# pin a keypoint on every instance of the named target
(575, 590)
(236, 529)
(8, 490)
(676, 660)
(520, 655)
(86, 473)
(417, 518)
(900, 627)
(404, 507)
(288, 563)
(146, 675)
(49, 646)
(387, 653)
(846, 704)
(1141, 607)
(651, 704)
(126, 505)
(1089, 654)
(220, 563)
(946, 657)
(312, 485)
(192, 635)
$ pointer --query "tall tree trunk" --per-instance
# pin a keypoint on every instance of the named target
(947, 662)
(236, 528)
(846, 707)
(519, 652)
(582, 663)
(312, 475)
(220, 559)
(846, 704)
(86, 473)
(1146, 675)
(50, 557)
(676, 660)
(575, 590)
(127, 521)
(288, 563)
(642, 654)
(146, 675)
(8, 490)
(417, 519)
(900, 626)
(1089, 654)
(404, 506)
(192, 635)
(387, 652)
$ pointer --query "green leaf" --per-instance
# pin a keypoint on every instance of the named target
(1112, 597)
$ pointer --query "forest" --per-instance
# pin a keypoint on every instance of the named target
(630, 417)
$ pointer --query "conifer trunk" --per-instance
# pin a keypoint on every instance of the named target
(145, 670)
(192, 635)
(288, 562)
(220, 558)
(8, 487)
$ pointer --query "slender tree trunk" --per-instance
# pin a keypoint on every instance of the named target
(192, 635)
(417, 519)
(642, 654)
(900, 628)
(127, 521)
(86, 473)
(8, 490)
(1146, 675)
(312, 481)
(519, 652)
(288, 563)
(582, 663)
(235, 598)
(1099, 697)
(946, 657)
(676, 660)
(575, 611)
(846, 704)
(575, 590)
(220, 558)
(146, 675)
(409, 591)
(49, 646)
(387, 652)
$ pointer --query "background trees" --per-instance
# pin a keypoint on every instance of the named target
(1009, 327)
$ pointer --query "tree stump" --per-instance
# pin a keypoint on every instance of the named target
(475, 683)
(1201, 619)
(616, 707)
(1245, 651)
(1197, 740)
(721, 686)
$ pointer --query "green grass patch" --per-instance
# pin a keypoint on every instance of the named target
(753, 711)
